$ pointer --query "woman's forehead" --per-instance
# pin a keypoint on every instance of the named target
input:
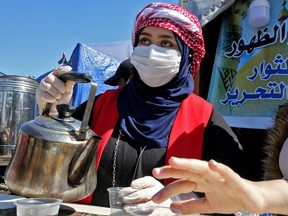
(154, 30)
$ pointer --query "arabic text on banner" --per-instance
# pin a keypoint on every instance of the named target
(250, 73)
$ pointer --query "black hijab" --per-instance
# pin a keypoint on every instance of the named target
(146, 113)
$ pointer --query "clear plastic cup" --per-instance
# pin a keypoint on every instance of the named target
(155, 211)
(38, 206)
(115, 200)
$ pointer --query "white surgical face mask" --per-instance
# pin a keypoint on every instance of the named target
(156, 65)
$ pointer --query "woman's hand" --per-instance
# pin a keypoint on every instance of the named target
(53, 90)
(225, 191)
(140, 193)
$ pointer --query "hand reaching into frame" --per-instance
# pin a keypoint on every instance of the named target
(225, 191)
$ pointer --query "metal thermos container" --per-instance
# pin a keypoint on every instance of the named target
(17, 106)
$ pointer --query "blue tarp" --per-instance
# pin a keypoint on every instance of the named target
(100, 61)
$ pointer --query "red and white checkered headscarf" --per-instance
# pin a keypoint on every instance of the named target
(178, 20)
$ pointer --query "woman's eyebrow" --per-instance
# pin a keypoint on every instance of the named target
(146, 34)
(159, 36)
(167, 36)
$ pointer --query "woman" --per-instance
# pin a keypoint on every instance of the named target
(156, 115)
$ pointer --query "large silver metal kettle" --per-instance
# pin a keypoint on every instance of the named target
(55, 156)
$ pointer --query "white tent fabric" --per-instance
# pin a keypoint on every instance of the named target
(118, 49)
(206, 10)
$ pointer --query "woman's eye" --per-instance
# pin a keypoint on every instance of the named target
(166, 44)
(145, 41)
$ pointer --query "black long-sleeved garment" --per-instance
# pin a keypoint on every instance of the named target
(135, 161)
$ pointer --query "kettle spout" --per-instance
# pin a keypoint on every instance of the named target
(81, 162)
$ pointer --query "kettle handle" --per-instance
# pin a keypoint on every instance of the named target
(87, 112)
(73, 76)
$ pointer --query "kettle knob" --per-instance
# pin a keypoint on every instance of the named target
(65, 110)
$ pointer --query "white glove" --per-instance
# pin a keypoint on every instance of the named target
(140, 193)
(53, 90)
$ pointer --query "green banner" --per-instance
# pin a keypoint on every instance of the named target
(250, 73)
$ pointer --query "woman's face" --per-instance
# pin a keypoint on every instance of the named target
(158, 36)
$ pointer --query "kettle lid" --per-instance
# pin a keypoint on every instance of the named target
(62, 122)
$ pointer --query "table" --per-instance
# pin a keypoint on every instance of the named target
(7, 207)
(93, 210)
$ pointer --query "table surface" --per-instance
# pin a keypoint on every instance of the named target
(7, 207)
(93, 210)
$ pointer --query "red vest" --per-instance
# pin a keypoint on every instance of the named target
(186, 135)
